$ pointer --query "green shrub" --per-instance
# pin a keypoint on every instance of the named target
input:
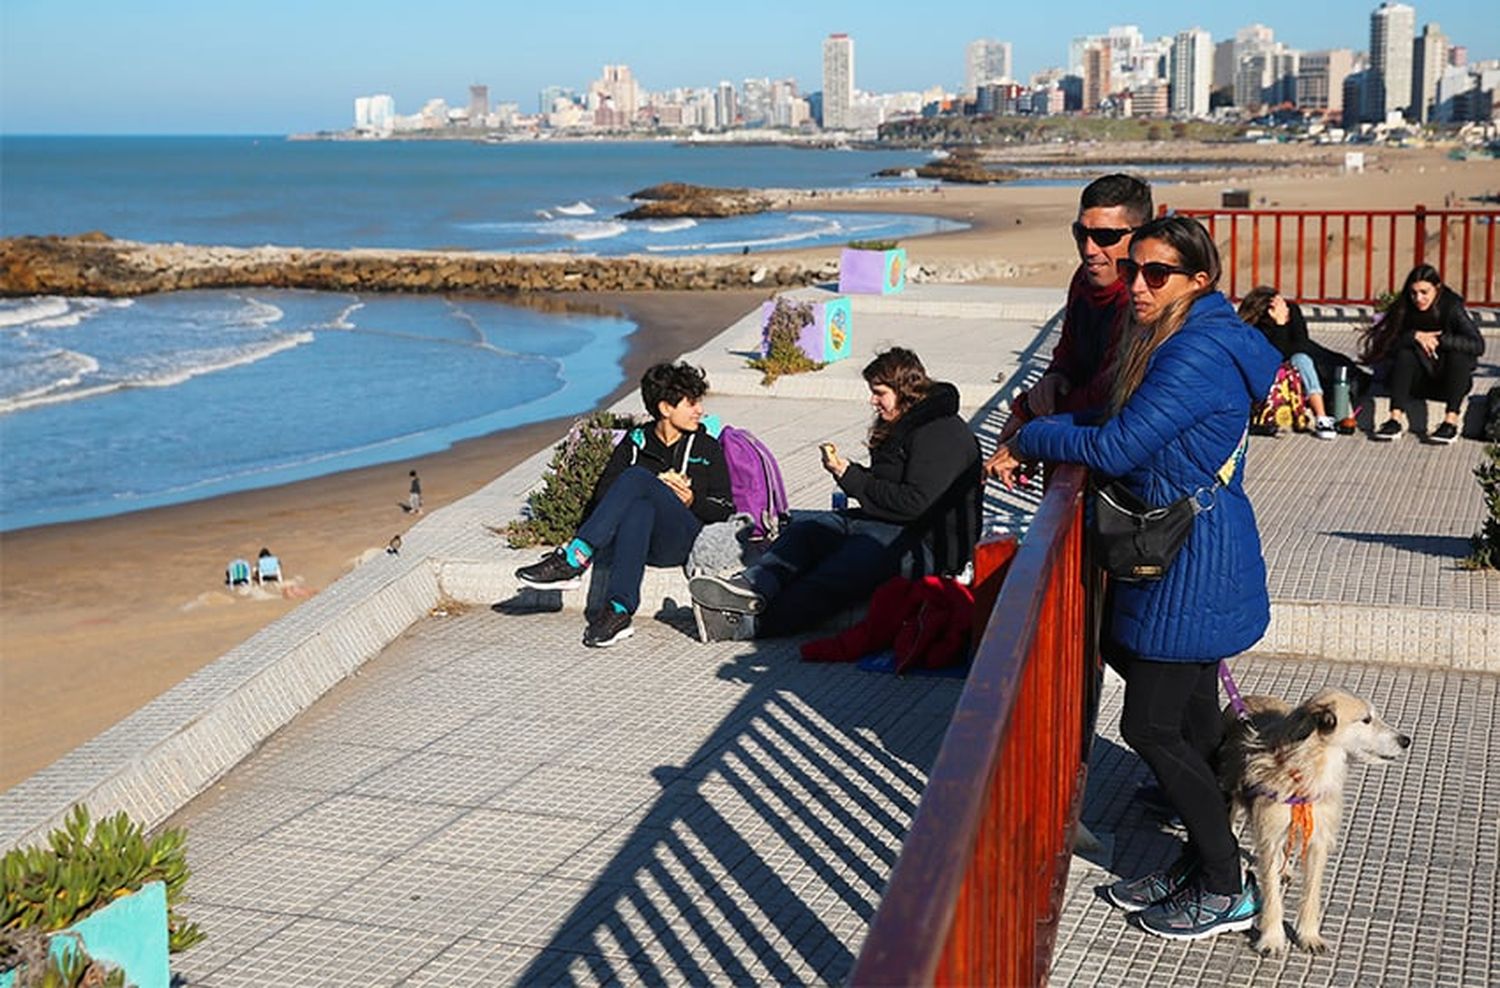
(873, 244)
(779, 337)
(554, 512)
(1484, 544)
(86, 867)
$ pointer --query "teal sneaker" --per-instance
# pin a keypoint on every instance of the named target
(1135, 894)
(1196, 913)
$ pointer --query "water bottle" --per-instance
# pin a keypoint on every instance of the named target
(1338, 407)
(840, 501)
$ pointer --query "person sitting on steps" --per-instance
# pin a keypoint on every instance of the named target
(918, 509)
(1429, 346)
(1268, 310)
(662, 484)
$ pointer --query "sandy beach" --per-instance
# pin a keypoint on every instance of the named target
(99, 617)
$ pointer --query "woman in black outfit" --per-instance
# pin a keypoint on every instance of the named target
(1431, 347)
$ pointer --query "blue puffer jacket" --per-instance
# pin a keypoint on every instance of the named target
(1176, 431)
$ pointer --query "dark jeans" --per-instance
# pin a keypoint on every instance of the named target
(1447, 379)
(638, 521)
(1172, 720)
(822, 563)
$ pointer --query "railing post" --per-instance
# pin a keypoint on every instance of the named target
(1419, 248)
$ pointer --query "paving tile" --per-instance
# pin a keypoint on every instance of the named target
(501, 841)
(370, 824)
(415, 894)
(318, 952)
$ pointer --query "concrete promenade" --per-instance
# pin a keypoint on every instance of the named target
(485, 801)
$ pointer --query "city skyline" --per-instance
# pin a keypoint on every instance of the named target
(175, 67)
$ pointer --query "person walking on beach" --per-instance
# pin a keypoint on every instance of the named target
(1179, 410)
(662, 484)
(414, 495)
(1428, 346)
(1079, 377)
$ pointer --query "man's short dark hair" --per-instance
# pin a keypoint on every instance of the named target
(1119, 190)
(671, 383)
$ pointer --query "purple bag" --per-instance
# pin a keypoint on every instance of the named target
(754, 481)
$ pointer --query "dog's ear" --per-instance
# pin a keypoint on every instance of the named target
(1302, 722)
(1326, 717)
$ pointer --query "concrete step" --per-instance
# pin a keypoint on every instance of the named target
(1425, 416)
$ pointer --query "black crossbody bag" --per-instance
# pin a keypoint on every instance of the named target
(1135, 542)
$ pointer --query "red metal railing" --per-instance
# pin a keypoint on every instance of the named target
(974, 897)
(1353, 255)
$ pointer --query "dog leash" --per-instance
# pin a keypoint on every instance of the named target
(1236, 702)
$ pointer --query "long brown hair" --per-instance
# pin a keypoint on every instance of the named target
(1376, 340)
(1256, 304)
(1196, 252)
(900, 370)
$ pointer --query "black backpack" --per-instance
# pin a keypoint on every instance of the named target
(1492, 415)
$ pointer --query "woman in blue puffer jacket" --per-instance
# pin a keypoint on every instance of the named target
(1177, 419)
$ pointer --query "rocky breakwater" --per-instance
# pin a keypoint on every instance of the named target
(965, 167)
(674, 200)
(95, 264)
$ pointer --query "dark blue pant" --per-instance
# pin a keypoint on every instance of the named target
(1447, 378)
(822, 563)
(638, 521)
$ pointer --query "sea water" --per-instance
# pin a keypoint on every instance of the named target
(108, 406)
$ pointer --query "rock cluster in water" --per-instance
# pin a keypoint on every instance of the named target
(672, 200)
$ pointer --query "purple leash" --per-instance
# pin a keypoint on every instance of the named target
(1236, 702)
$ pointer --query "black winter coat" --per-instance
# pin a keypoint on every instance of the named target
(926, 475)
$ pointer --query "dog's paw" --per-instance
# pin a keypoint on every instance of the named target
(1272, 943)
(1313, 943)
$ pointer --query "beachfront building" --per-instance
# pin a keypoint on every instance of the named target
(1096, 75)
(1320, 81)
(375, 115)
(1387, 89)
(986, 61)
(838, 82)
(1151, 99)
(1429, 56)
(614, 97)
(1192, 72)
(479, 105)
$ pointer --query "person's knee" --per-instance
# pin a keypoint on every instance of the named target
(1143, 734)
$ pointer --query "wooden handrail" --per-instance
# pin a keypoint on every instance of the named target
(974, 897)
(1405, 238)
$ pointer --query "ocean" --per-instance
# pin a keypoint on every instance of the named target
(110, 406)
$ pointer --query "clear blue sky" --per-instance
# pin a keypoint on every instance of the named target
(275, 66)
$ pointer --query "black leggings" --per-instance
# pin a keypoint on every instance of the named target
(1448, 379)
(1172, 720)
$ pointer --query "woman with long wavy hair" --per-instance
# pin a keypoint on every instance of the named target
(918, 512)
(1177, 428)
(1428, 346)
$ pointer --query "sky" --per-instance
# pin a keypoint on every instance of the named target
(283, 66)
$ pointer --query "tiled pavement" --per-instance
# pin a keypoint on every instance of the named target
(489, 802)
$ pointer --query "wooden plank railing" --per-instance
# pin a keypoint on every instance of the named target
(1353, 255)
(974, 897)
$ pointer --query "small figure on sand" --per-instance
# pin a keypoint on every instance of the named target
(414, 498)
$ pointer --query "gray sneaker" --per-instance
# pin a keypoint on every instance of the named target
(1136, 894)
(726, 593)
(723, 626)
(1196, 913)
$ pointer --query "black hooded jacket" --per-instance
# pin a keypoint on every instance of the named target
(926, 475)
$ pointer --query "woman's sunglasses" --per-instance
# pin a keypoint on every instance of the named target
(1104, 236)
(1155, 272)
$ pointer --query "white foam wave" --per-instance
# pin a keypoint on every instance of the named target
(585, 229)
(66, 369)
(579, 208)
(167, 378)
(85, 309)
(786, 238)
(543, 214)
(341, 321)
(34, 310)
(671, 225)
(258, 313)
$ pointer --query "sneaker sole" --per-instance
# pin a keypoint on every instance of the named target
(1233, 926)
(1443, 441)
(709, 592)
(1126, 907)
(1387, 439)
(576, 583)
(619, 636)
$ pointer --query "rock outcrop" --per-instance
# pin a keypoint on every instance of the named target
(672, 200)
(93, 264)
(963, 167)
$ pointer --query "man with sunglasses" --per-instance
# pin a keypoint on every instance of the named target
(1080, 374)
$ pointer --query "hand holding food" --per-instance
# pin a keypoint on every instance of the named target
(832, 462)
(681, 484)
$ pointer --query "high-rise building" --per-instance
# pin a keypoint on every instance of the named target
(726, 105)
(838, 82)
(1320, 81)
(1429, 56)
(479, 105)
(1096, 72)
(362, 113)
(1192, 72)
(1388, 89)
(986, 61)
(617, 91)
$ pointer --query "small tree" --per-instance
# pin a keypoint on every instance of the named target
(1484, 544)
(554, 513)
(779, 342)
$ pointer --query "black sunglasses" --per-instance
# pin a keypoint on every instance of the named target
(1155, 272)
(1104, 236)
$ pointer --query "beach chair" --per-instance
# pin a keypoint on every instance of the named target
(237, 573)
(267, 568)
